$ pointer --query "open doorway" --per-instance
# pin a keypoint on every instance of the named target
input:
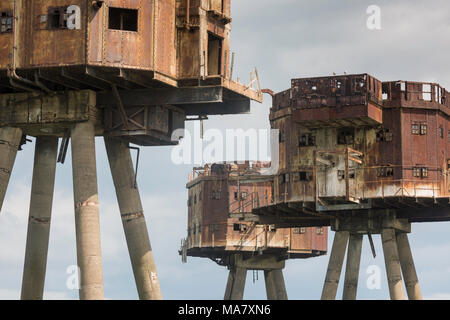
(214, 55)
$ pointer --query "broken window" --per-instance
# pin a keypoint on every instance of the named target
(57, 18)
(346, 136)
(384, 135)
(6, 22)
(385, 172)
(341, 174)
(306, 140)
(241, 228)
(123, 19)
(272, 228)
(302, 176)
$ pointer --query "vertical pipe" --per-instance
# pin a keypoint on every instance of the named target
(133, 219)
(352, 268)
(9, 144)
(275, 286)
(87, 220)
(236, 284)
(335, 265)
(39, 218)
(408, 268)
(392, 262)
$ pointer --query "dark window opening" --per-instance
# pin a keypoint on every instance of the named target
(57, 18)
(272, 228)
(385, 172)
(351, 174)
(235, 196)
(448, 164)
(241, 228)
(123, 19)
(346, 136)
(6, 22)
(441, 132)
(341, 174)
(306, 140)
(302, 176)
(282, 136)
(214, 55)
(384, 135)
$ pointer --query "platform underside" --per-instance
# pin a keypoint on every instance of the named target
(221, 254)
(310, 214)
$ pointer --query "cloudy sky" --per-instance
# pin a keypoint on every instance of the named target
(284, 39)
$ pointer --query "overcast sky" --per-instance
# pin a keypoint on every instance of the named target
(284, 39)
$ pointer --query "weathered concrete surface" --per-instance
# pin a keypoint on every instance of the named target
(408, 268)
(236, 284)
(133, 220)
(87, 222)
(9, 144)
(39, 218)
(391, 259)
(275, 286)
(352, 268)
(335, 265)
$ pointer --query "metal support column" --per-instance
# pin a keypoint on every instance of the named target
(352, 268)
(87, 221)
(408, 268)
(335, 265)
(392, 262)
(9, 144)
(39, 218)
(133, 219)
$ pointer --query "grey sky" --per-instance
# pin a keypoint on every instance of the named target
(284, 39)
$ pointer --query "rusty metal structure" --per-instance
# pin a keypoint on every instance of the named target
(131, 71)
(221, 195)
(363, 157)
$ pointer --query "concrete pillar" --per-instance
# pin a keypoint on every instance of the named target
(9, 144)
(236, 284)
(352, 269)
(275, 286)
(392, 262)
(87, 221)
(335, 265)
(39, 218)
(133, 220)
(408, 268)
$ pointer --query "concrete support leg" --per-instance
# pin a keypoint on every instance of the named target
(275, 286)
(335, 265)
(87, 221)
(408, 268)
(9, 144)
(352, 269)
(236, 284)
(133, 220)
(39, 218)
(392, 262)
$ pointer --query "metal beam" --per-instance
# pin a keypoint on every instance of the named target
(161, 96)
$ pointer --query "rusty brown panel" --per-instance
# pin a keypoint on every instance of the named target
(44, 47)
(6, 39)
(122, 48)
(188, 54)
(97, 19)
(165, 50)
(227, 7)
